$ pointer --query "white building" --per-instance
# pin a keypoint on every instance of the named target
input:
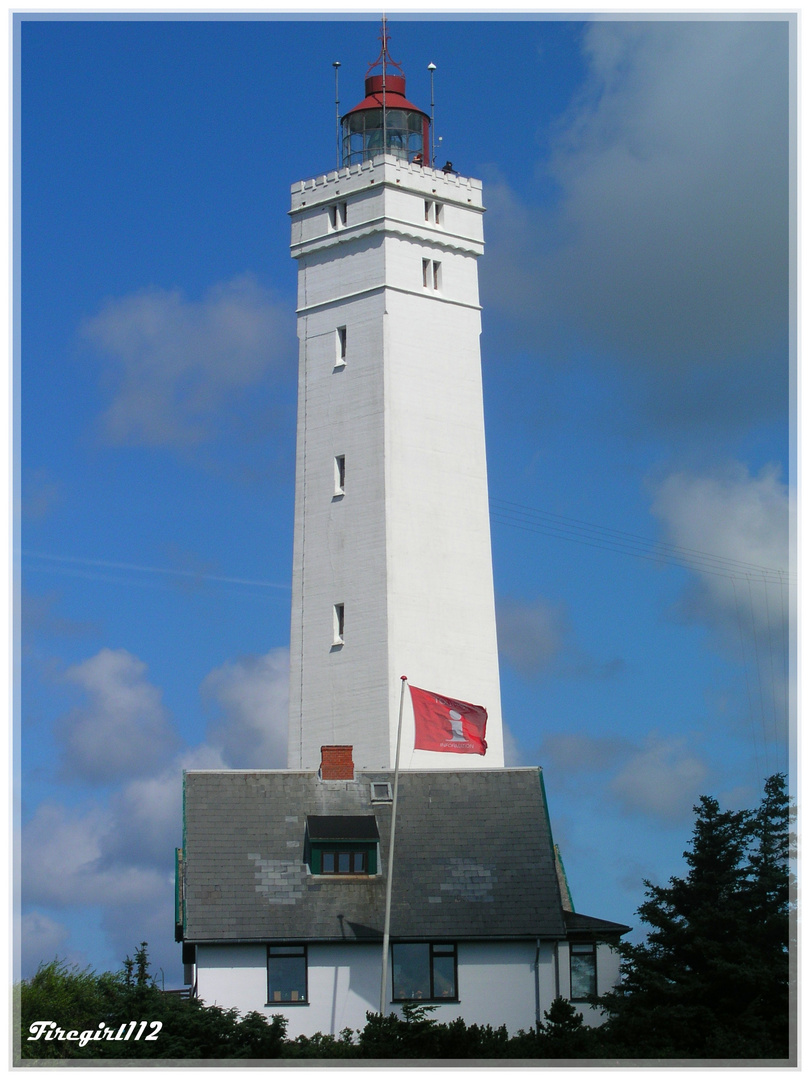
(392, 565)
(283, 897)
(282, 875)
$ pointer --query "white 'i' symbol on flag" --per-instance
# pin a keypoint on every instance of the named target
(457, 726)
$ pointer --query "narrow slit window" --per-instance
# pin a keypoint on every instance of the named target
(437, 275)
(333, 216)
(340, 355)
(426, 273)
(340, 474)
(339, 624)
(343, 211)
(428, 205)
(437, 211)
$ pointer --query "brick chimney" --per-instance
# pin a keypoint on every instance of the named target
(336, 763)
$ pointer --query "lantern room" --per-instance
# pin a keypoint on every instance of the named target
(385, 122)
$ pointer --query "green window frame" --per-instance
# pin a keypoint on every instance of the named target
(343, 859)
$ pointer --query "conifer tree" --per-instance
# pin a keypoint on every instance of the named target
(711, 978)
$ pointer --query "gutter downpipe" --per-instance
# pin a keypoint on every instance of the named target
(537, 985)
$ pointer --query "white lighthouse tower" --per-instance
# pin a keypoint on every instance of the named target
(392, 565)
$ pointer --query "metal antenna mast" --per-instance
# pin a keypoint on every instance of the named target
(384, 59)
(431, 69)
(336, 65)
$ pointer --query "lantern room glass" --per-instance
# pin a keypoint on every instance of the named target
(363, 134)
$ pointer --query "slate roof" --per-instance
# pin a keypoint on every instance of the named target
(342, 827)
(474, 858)
(580, 926)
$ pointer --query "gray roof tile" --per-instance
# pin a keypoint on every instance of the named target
(474, 857)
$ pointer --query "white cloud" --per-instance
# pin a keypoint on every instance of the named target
(40, 494)
(663, 779)
(536, 638)
(62, 863)
(171, 363)
(576, 753)
(531, 634)
(117, 853)
(251, 697)
(147, 813)
(745, 597)
(659, 778)
(41, 937)
(123, 730)
(512, 754)
(666, 248)
(744, 520)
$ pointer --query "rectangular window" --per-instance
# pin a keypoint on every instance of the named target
(340, 474)
(343, 210)
(431, 274)
(583, 971)
(286, 974)
(423, 971)
(344, 862)
(433, 212)
(333, 216)
(338, 640)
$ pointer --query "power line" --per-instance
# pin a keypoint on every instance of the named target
(104, 564)
(590, 534)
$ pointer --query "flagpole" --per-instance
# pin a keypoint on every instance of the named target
(387, 928)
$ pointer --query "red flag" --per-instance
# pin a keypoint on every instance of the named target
(444, 724)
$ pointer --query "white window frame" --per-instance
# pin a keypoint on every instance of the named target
(338, 623)
(341, 345)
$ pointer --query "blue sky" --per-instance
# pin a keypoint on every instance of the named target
(636, 356)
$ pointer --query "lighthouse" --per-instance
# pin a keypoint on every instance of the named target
(392, 563)
(344, 883)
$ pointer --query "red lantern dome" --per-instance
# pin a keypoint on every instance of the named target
(385, 122)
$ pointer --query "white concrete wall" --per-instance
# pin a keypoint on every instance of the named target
(497, 984)
(339, 546)
(407, 548)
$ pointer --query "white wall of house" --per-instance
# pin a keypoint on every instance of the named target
(406, 548)
(498, 983)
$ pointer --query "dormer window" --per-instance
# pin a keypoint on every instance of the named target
(342, 845)
(350, 861)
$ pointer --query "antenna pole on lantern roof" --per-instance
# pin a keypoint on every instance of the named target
(431, 69)
(336, 65)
